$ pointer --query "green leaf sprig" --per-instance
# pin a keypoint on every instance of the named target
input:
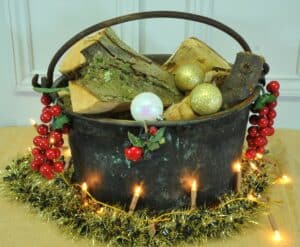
(148, 142)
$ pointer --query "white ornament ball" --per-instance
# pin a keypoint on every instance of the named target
(146, 107)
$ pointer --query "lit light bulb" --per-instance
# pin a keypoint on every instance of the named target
(259, 156)
(276, 236)
(251, 197)
(135, 198)
(84, 186)
(137, 191)
(284, 179)
(194, 185)
(237, 166)
(33, 123)
(51, 140)
(100, 211)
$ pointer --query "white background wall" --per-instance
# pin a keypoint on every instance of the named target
(32, 30)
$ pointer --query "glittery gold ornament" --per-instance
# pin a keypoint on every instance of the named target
(206, 99)
(187, 76)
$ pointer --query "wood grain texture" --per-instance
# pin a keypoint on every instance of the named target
(20, 227)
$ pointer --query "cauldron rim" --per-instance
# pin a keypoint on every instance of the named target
(166, 123)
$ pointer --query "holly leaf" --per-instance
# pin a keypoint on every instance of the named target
(260, 102)
(159, 134)
(59, 121)
(50, 90)
(135, 141)
(153, 146)
(271, 98)
(263, 100)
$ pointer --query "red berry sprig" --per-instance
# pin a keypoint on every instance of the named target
(142, 145)
(47, 158)
(262, 121)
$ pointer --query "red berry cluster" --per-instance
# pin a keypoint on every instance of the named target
(134, 153)
(46, 153)
(262, 122)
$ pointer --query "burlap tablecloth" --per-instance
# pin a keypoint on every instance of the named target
(20, 227)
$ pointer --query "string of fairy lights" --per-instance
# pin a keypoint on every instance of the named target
(282, 179)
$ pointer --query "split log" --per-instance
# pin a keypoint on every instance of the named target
(215, 67)
(193, 50)
(243, 78)
(180, 111)
(109, 74)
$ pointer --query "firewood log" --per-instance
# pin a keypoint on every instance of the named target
(108, 75)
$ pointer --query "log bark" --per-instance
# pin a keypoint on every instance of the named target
(109, 74)
(243, 78)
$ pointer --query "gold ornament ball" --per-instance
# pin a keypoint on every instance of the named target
(187, 76)
(206, 99)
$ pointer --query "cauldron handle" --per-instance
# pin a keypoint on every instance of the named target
(137, 16)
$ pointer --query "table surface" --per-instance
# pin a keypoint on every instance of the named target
(21, 227)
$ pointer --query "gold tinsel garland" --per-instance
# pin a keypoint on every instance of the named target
(60, 200)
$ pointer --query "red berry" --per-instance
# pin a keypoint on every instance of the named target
(39, 158)
(249, 137)
(59, 143)
(260, 141)
(46, 171)
(55, 135)
(41, 141)
(260, 150)
(263, 131)
(53, 153)
(250, 154)
(251, 143)
(44, 144)
(37, 140)
(42, 129)
(152, 130)
(272, 105)
(263, 122)
(35, 151)
(133, 153)
(59, 166)
(270, 131)
(276, 94)
(273, 86)
(35, 165)
(264, 111)
(271, 122)
(272, 114)
(47, 109)
(253, 119)
(56, 110)
(65, 129)
(46, 117)
(46, 100)
(253, 131)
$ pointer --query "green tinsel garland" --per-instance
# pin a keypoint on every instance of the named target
(60, 201)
